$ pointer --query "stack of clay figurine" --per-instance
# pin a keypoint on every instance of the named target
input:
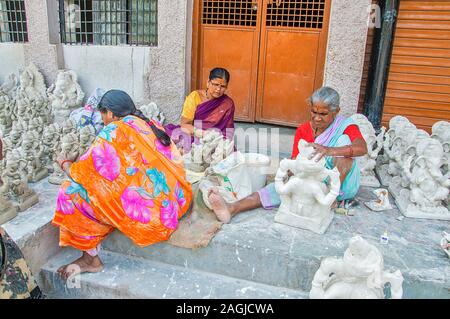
(415, 168)
(36, 130)
(35, 126)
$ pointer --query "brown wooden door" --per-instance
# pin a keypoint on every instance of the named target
(274, 50)
(419, 75)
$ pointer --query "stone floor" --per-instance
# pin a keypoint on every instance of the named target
(252, 251)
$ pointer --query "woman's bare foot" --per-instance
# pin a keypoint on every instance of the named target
(219, 206)
(86, 263)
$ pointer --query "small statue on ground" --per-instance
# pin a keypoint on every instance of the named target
(441, 131)
(10, 86)
(69, 151)
(6, 113)
(65, 95)
(305, 199)
(7, 209)
(382, 201)
(18, 130)
(374, 142)
(36, 126)
(86, 138)
(359, 274)
(31, 94)
(15, 181)
(51, 141)
(429, 187)
(33, 152)
(400, 181)
(68, 127)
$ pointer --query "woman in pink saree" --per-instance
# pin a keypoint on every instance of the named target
(205, 109)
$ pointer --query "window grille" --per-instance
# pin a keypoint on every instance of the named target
(109, 22)
(235, 13)
(13, 21)
(296, 13)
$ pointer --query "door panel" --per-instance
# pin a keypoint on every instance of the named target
(288, 77)
(292, 59)
(274, 49)
(229, 38)
(240, 61)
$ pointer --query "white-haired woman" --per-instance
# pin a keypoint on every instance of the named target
(333, 136)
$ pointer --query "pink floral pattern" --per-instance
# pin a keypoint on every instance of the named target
(64, 203)
(106, 161)
(86, 155)
(86, 210)
(169, 214)
(164, 150)
(137, 205)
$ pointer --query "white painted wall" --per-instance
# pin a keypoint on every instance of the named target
(12, 59)
(109, 67)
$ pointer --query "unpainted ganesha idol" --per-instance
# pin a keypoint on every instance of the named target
(358, 275)
(69, 151)
(395, 126)
(31, 94)
(374, 142)
(429, 187)
(33, 152)
(305, 199)
(65, 95)
(14, 179)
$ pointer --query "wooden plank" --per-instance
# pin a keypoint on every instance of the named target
(422, 52)
(425, 61)
(428, 15)
(436, 114)
(423, 96)
(417, 78)
(424, 5)
(422, 34)
(430, 105)
(427, 25)
(422, 43)
(419, 87)
(419, 69)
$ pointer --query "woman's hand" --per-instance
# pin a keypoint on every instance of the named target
(319, 151)
(64, 162)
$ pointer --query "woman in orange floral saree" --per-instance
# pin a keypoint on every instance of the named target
(131, 179)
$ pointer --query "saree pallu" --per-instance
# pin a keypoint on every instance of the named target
(127, 180)
(334, 137)
(216, 113)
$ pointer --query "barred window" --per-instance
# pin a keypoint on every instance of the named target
(296, 13)
(109, 22)
(13, 21)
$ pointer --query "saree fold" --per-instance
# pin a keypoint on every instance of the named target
(127, 180)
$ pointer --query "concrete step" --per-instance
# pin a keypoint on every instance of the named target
(253, 247)
(130, 277)
(32, 230)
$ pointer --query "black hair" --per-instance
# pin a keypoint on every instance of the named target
(220, 73)
(121, 105)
